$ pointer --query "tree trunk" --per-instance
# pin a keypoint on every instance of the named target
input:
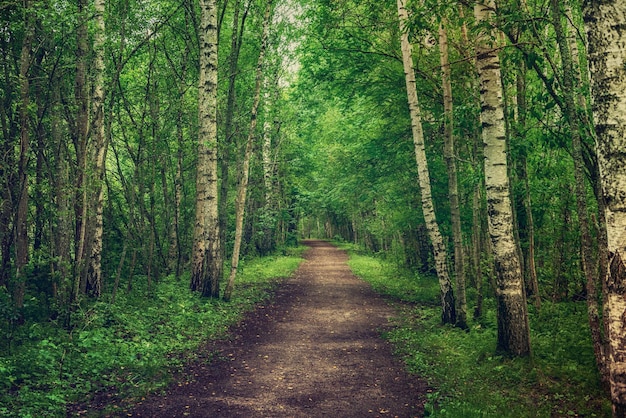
(513, 329)
(7, 168)
(131, 271)
(268, 239)
(477, 249)
(80, 146)
(587, 260)
(605, 22)
(39, 198)
(99, 144)
(243, 182)
(175, 250)
(118, 273)
(582, 79)
(63, 231)
(21, 219)
(453, 190)
(267, 148)
(479, 214)
(530, 269)
(562, 249)
(572, 41)
(178, 196)
(207, 266)
(228, 140)
(439, 249)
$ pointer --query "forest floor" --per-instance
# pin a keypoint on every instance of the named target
(313, 350)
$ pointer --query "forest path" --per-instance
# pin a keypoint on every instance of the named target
(313, 351)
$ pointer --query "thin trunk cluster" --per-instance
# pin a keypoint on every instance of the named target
(448, 314)
(572, 111)
(108, 169)
(242, 189)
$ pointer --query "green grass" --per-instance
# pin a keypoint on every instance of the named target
(127, 349)
(467, 376)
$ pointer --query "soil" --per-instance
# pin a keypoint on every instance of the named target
(314, 350)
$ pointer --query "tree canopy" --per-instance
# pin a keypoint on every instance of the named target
(109, 141)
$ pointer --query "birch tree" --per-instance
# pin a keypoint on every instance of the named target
(453, 189)
(439, 249)
(94, 269)
(206, 254)
(607, 53)
(81, 129)
(513, 329)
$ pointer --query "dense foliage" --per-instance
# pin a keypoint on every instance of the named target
(99, 157)
(120, 352)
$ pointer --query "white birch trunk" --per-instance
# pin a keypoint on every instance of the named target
(439, 249)
(607, 54)
(94, 270)
(81, 131)
(267, 147)
(453, 190)
(513, 329)
(206, 255)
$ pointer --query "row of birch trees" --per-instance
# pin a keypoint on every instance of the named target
(126, 129)
(516, 166)
(480, 141)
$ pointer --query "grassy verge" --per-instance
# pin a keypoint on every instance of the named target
(468, 378)
(129, 348)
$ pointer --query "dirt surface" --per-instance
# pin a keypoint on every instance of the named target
(313, 351)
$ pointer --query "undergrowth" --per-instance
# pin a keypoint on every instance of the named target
(126, 349)
(468, 377)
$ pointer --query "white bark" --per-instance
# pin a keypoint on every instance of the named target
(439, 249)
(607, 57)
(267, 147)
(206, 258)
(94, 270)
(513, 329)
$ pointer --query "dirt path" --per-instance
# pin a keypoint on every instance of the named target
(315, 351)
